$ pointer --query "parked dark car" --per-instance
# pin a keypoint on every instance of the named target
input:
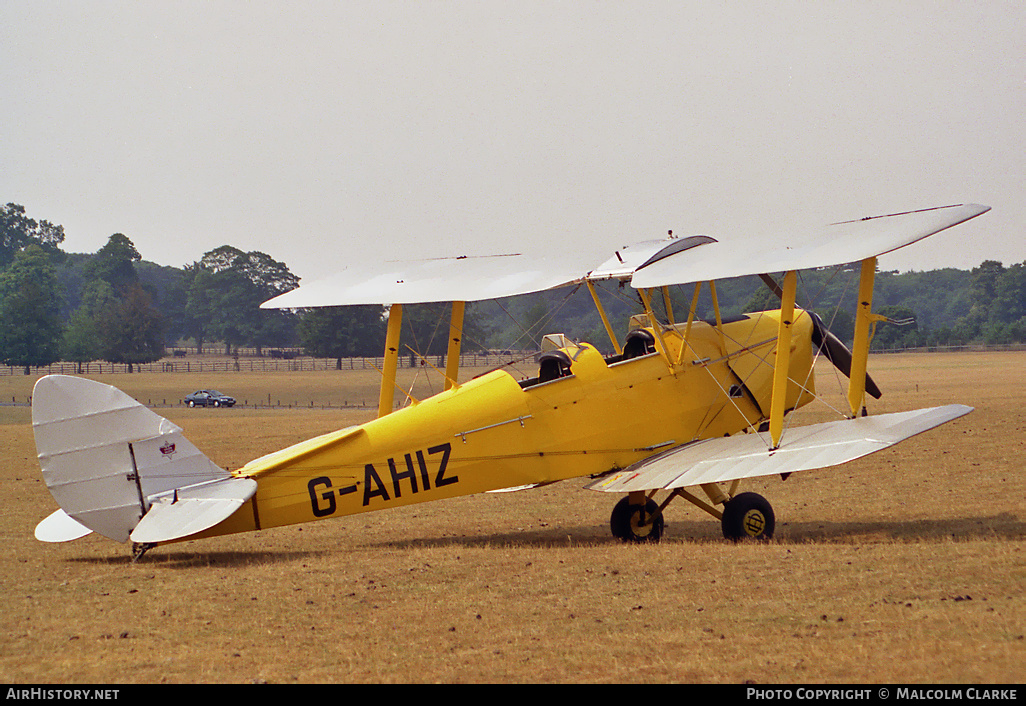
(209, 398)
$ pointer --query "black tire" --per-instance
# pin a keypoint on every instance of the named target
(191, 403)
(626, 522)
(748, 516)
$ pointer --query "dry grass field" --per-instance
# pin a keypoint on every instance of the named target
(908, 566)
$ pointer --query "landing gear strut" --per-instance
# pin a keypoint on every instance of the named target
(745, 516)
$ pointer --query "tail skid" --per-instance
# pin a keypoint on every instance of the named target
(120, 470)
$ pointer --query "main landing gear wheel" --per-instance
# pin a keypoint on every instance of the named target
(748, 516)
(637, 523)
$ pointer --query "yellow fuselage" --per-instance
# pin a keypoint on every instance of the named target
(494, 432)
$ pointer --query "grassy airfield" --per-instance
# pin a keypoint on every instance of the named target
(908, 566)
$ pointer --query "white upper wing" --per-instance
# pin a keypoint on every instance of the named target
(473, 278)
(630, 258)
(651, 263)
(835, 244)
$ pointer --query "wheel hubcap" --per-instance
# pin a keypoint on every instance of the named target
(754, 523)
(641, 529)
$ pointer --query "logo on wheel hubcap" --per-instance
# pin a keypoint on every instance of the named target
(754, 523)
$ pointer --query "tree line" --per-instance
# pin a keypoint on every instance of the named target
(943, 307)
(114, 306)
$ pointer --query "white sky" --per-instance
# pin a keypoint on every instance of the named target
(323, 132)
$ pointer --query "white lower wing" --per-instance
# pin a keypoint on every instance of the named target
(746, 456)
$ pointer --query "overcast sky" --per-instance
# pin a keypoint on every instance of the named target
(327, 132)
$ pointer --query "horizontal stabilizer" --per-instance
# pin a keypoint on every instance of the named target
(192, 509)
(803, 448)
(60, 527)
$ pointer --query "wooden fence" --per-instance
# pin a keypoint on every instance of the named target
(303, 364)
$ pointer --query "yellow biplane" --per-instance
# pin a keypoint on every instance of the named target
(689, 408)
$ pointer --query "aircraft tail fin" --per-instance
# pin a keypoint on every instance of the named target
(118, 469)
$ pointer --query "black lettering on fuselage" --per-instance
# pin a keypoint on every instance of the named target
(323, 495)
(318, 509)
(445, 450)
(424, 477)
(409, 474)
(372, 485)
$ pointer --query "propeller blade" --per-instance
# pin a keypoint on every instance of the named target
(838, 353)
(832, 347)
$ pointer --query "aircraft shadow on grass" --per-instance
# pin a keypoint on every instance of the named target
(204, 559)
(1001, 526)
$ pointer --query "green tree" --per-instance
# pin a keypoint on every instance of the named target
(17, 231)
(118, 320)
(267, 274)
(169, 289)
(342, 332)
(81, 342)
(236, 306)
(130, 329)
(114, 263)
(81, 339)
(30, 324)
(226, 288)
(200, 303)
(1009, 305)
